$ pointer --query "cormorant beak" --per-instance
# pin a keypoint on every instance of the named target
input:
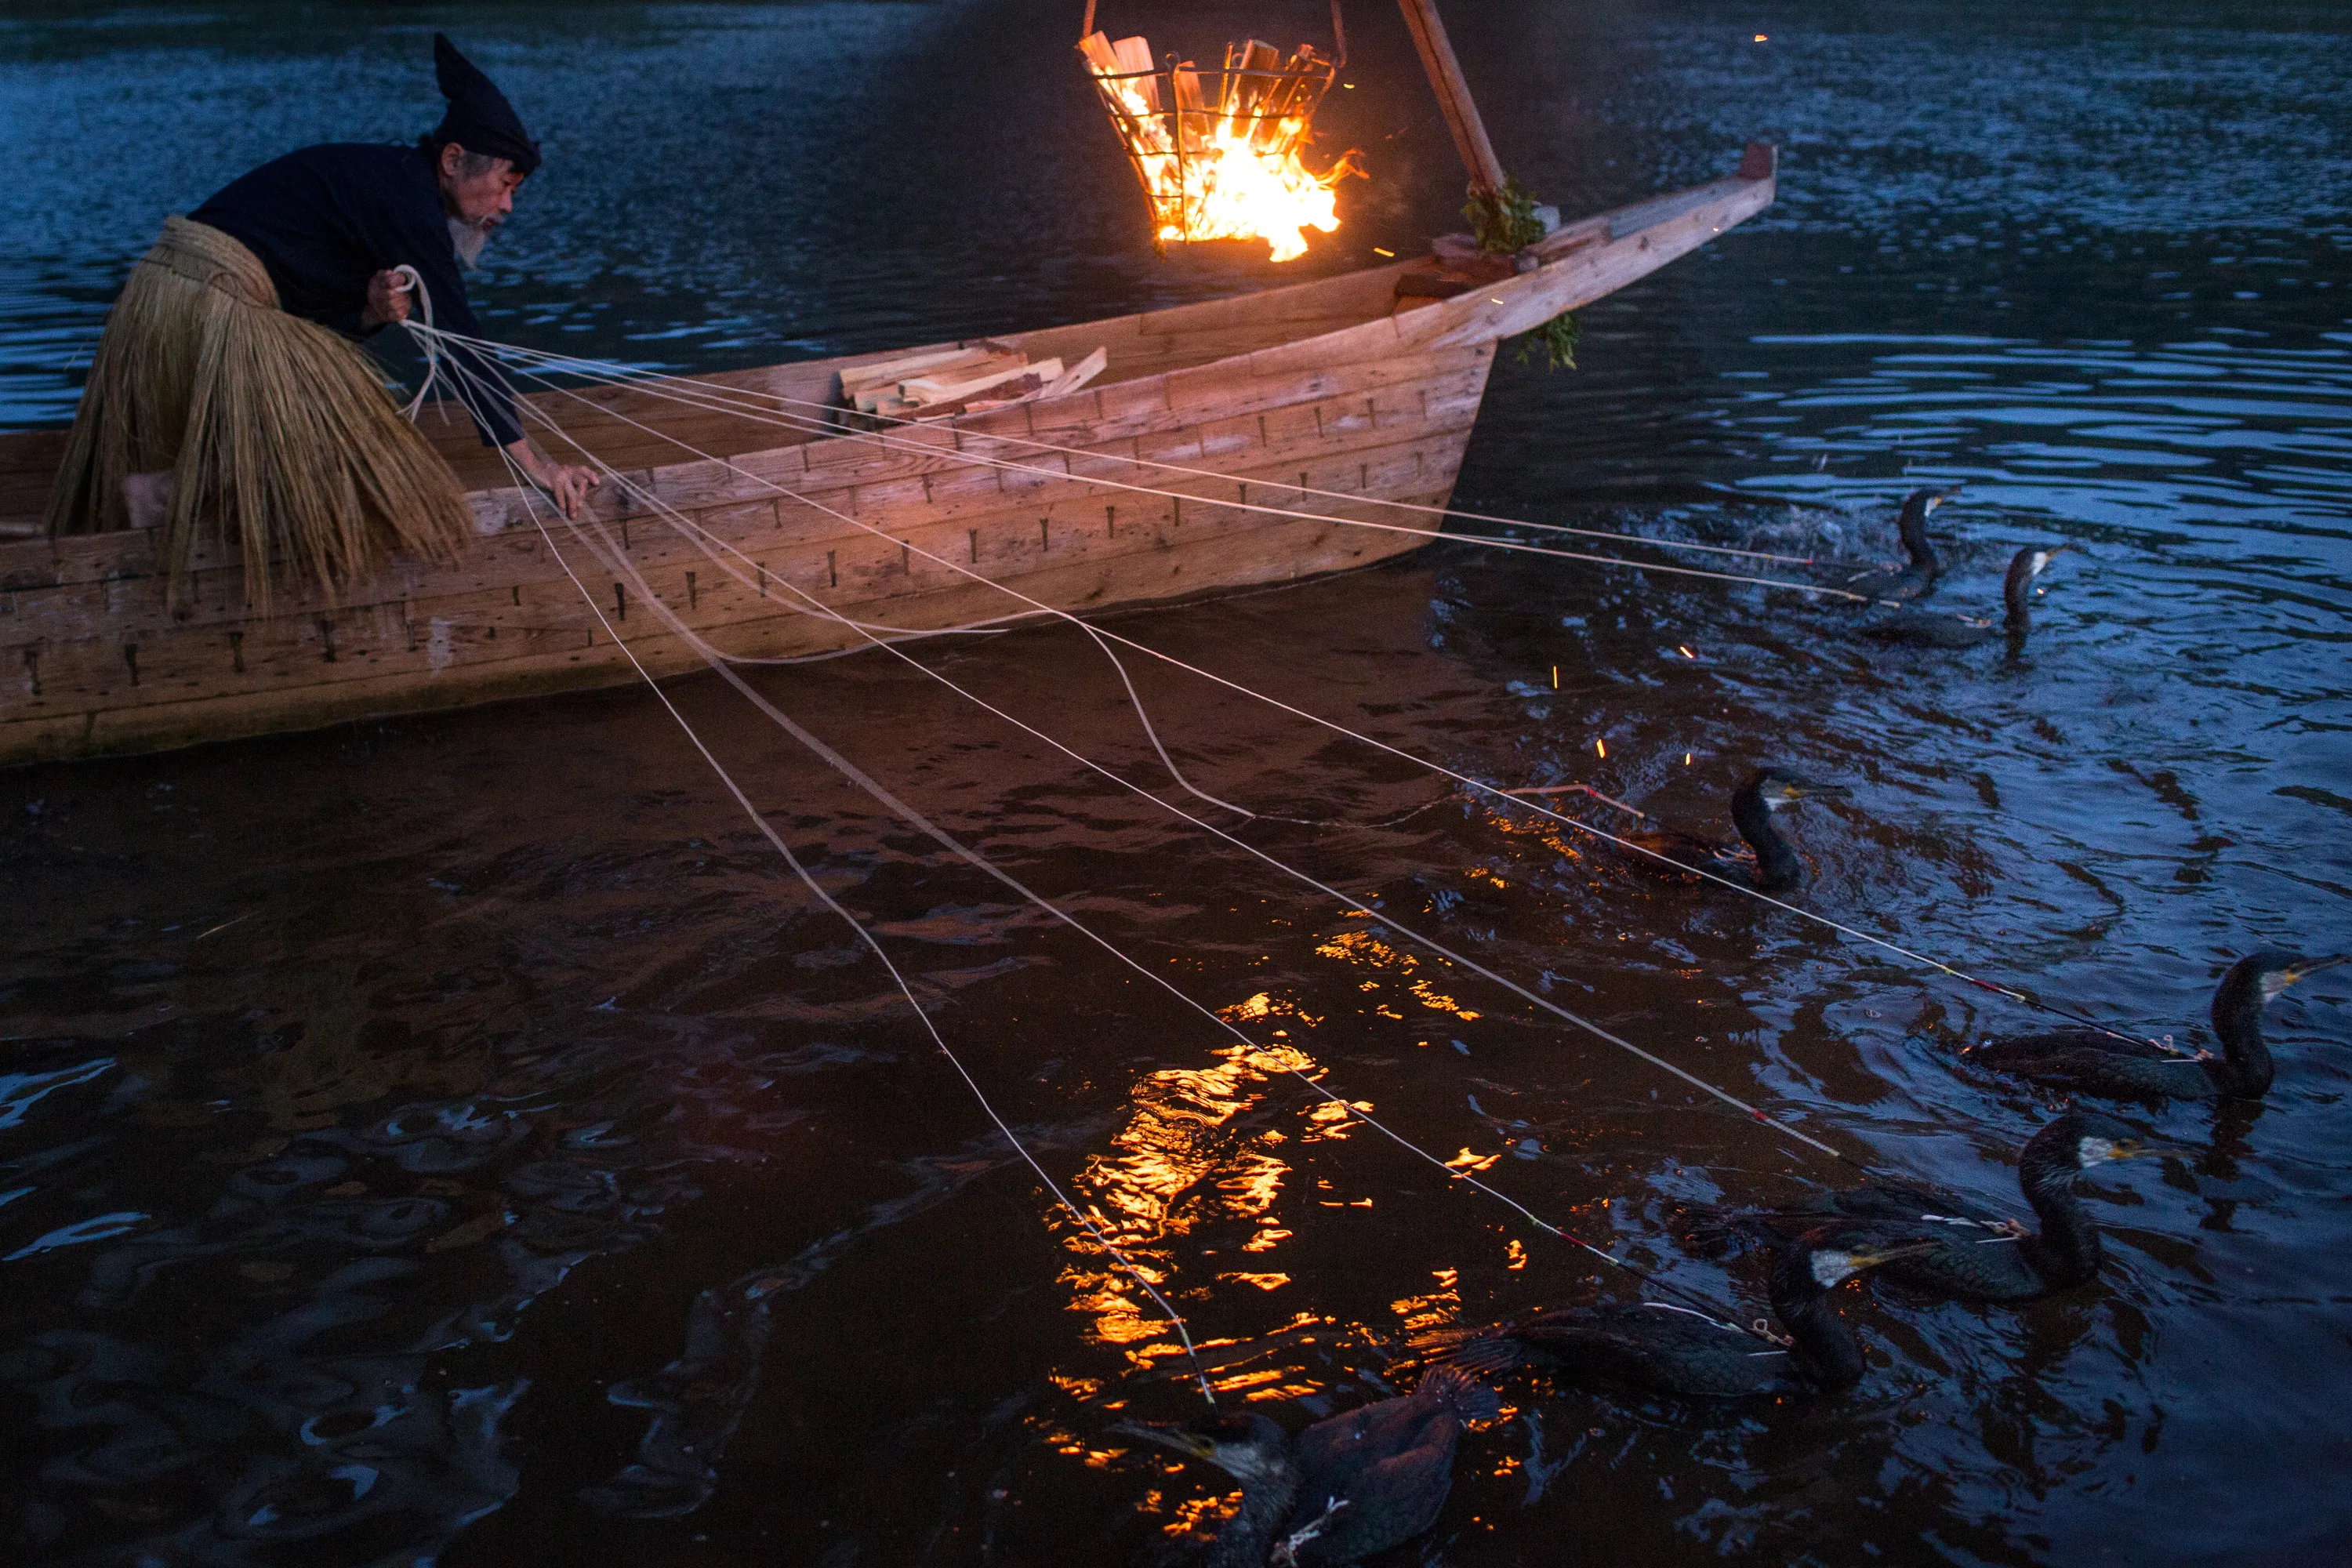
(2305, 968)
(1871, 1256)
(1798, 789)
(1168, 1435)
(2138, 1150)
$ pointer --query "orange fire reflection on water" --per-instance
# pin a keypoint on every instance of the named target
(1367, 951)
(1175, 1164)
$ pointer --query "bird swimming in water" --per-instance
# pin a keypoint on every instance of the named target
(1672, 1349)
(1768, 864)
(2086, 1061)
(1355, 1484)
(1916, 578)
(1973, 1253)
(1918, 629)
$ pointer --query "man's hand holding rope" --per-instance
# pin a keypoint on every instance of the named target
(390, 298)
(387, 300)
(567, 484)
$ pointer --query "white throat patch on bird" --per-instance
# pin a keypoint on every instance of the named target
(2278, 980)
(1831, 1267)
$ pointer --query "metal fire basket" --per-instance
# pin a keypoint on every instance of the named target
(1170, 115)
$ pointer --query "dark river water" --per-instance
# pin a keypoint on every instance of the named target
(460, 1138)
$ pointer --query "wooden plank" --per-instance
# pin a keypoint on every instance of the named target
(874, 575)
(1447, 391)
(938, 476)
(1285, 551)
(1527, 301)
(914, 455)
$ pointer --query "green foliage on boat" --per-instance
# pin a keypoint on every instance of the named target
(1556, 338)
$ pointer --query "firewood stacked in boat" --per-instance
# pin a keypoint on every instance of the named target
(965, 379)
(1268, 99)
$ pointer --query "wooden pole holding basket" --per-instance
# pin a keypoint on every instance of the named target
(1453, 94)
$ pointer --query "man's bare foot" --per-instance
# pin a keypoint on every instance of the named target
(148, 496)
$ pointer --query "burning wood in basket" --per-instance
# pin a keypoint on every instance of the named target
(1218, 151)
(966, 380)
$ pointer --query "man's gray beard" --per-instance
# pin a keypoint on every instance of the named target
(468, 239)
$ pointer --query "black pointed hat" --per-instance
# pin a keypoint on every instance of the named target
(479, 120)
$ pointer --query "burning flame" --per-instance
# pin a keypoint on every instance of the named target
(1232, 171)
(1242, 194)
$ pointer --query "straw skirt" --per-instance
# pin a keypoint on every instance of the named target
(277, 433)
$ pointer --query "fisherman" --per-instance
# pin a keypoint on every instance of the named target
(229, 396)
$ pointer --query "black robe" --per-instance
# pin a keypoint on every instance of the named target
(326, 219)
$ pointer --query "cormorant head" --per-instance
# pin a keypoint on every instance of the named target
(1822, 1259)
(2075, 1141)
(1776, 787)
(2081, 1139)
(2024, 568)
(2034, 559)
(1249, 1448)
(1916, 506)
(2276, 971)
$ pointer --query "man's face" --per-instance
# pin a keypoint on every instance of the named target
(482, 200)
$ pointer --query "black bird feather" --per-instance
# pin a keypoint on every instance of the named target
(1922, 629)
(2086, 1061)
(1767, 862)
(1915, 579)
(1358, 1483)
(1973, 1253)
(1672, 1349)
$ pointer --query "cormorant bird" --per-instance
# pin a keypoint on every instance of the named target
(2086, 1061)
(1675, 1351)
(1356, 1484)
(1973, 1253)
(1915, 579)
(1771, 866)
(1918, 629)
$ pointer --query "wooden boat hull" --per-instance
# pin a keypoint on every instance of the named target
(1335, 385)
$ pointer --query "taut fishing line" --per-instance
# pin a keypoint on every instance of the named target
(1533, 999)
(806, 424)
(767, 830)
(1099, 635)
(723, 397)
(616, 559)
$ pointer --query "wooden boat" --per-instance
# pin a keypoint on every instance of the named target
(1363, 383)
